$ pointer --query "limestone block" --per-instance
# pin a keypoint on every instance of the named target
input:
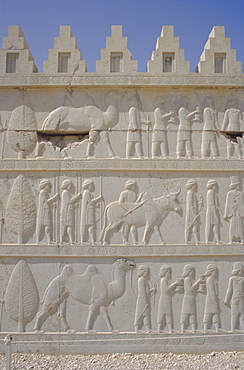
(168, 57)
(65, 57)
(116, 58)
(218, 57)
(121, 221)
(15, 56)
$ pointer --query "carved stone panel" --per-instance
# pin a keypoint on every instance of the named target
(121, 214)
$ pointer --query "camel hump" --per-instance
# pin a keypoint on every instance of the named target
(100, 290)
(53, 119)
(88, 274)
(91, 270)
(96, 117)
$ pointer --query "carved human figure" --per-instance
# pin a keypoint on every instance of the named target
(211, 309)
(212, 212)
(193, 209)
(143, 303)
(89, 203)
(133, 139)
(159, 135)
(129, 195)
(184, 142)
(67, 210)
(235, 295)
(167, 290)
(188, 310)
(44, 212)
(234, 210)
(209, 146)
(232, 122)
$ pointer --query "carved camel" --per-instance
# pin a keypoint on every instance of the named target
(90, 289)
(84, 119)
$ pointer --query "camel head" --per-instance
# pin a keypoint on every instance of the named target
(124, 264)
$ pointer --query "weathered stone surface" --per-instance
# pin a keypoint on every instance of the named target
(122, 207)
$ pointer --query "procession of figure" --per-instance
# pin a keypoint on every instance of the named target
(93, 290)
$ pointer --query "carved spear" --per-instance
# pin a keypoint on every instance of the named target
(1, 309)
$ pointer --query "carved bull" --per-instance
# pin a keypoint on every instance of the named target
(149, 213)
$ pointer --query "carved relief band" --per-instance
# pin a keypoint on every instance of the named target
(121, 198)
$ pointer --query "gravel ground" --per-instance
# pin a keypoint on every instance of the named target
(124, 361)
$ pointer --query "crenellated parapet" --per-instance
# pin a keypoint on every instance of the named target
(217, 62)
(15, 56)
(218, 57)
(168, 58)
(65, 58)
(116, 58)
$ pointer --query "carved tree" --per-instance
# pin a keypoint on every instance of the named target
(21, 297)
(21, 209)
(22, 135)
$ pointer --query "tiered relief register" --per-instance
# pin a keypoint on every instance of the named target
(121, 198)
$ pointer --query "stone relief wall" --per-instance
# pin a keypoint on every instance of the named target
(89, 124)
(121, 209)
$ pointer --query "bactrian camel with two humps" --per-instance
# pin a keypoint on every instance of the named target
(89, 288)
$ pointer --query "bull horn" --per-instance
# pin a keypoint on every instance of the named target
(177, 193)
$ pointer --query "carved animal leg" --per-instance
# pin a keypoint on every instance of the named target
(105, 139)
(108, 229)
(90, 149)
(62, 315)
(125, 233)
(42, 317)
(148, 228)
(159, 235)
(104, 312)
(93, 134)
(134, 234)
(92, 315)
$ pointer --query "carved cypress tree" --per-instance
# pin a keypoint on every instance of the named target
(22, 135)
(21, 297)
(21, 209)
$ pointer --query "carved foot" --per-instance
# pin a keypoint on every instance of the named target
(114, 331)
(125, 242)
(39, 331)
(70, 331)
(91, 331)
